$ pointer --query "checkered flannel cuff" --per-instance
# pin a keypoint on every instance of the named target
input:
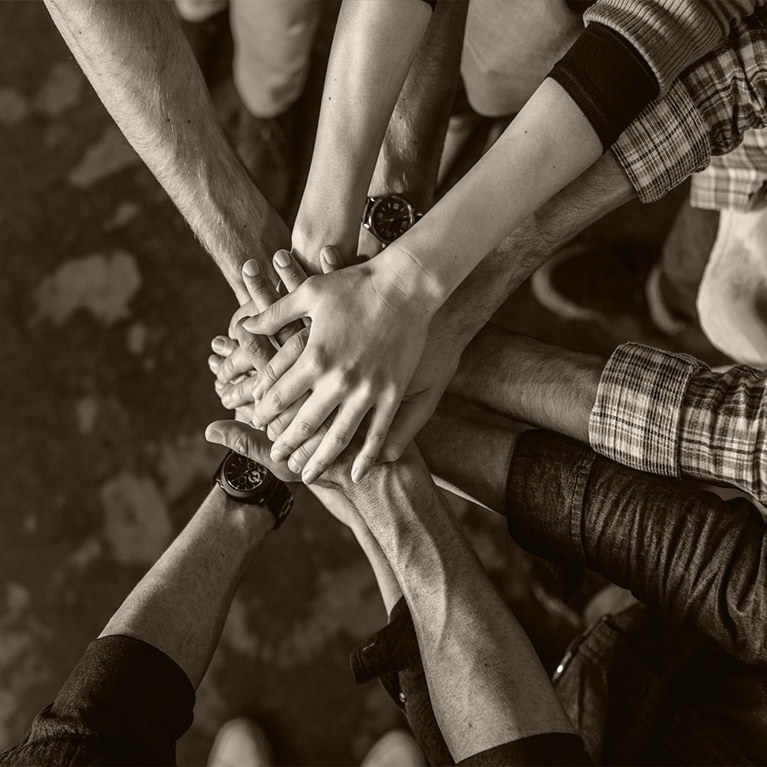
(664, 145)
(723, 427)
(636, 419)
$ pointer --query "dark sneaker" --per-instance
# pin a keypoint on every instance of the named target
(587, 281)
(264, 148)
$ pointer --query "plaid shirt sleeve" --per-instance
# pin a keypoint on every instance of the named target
(735, 181)
(705, 114)
(670, 414)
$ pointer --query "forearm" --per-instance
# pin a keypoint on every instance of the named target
(410, 154)
(485, 682)
(530, 381)
(683, 551)
(180, 605)
(139, 63)
(337, 503)
(372, 51)
(601, 189)
(507, 185)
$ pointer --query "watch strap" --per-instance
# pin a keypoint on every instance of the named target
(278, 499)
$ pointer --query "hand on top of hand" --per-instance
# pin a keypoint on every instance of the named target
(365, 341)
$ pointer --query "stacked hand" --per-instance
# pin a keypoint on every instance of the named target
(366, 339)
(249, 365)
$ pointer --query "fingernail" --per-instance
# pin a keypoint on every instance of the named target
(330, 256)
(358, 472)
(293, 465)
(308, 476)
(282, 258)
(250, 323)
(250, 268)
(218, 344)
(213, 435)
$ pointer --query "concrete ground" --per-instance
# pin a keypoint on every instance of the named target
(107, 307)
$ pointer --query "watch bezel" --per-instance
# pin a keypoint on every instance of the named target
(257, 494)
(379, 200)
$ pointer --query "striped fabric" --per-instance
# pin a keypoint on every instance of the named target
(706, 112)
(669, 414)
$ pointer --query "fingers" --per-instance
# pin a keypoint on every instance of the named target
(214, 363)
(257, 350)
(288, 270)
(308, 420)
(339, 435)
(304, 452)
(288, 309)
(411, 417)
(261, 291)
(386, 409)
(245, 311)
(244, 414)
(239, 437)
(330, 259)
(231, 367)
(284, 419)
(223, 345)
(235, 395)
(296, 382)
(280, 363)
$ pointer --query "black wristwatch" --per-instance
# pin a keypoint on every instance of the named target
(388, 216)
(249, 482)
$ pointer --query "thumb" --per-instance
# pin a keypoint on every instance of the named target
(240, 438)
(279, 314)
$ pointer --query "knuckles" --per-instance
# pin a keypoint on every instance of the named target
(240, 443)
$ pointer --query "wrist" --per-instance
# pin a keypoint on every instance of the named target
(394, 177)
(329, 222)
(247, 524)
(400, 273)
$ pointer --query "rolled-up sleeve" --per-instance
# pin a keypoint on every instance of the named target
(670, 414)
(705, 113)
(126, 702)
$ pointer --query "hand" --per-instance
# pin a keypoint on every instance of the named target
(366, 338)
(436, 369)
(253, 444)
(234, 362)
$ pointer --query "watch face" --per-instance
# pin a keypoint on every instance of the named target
(243, 475)
(390, 218)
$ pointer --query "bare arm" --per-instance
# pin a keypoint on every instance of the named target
(412, 147)
(181, 604)
(373, 48)
(486, 684)
(530, 380)
(140, 65)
